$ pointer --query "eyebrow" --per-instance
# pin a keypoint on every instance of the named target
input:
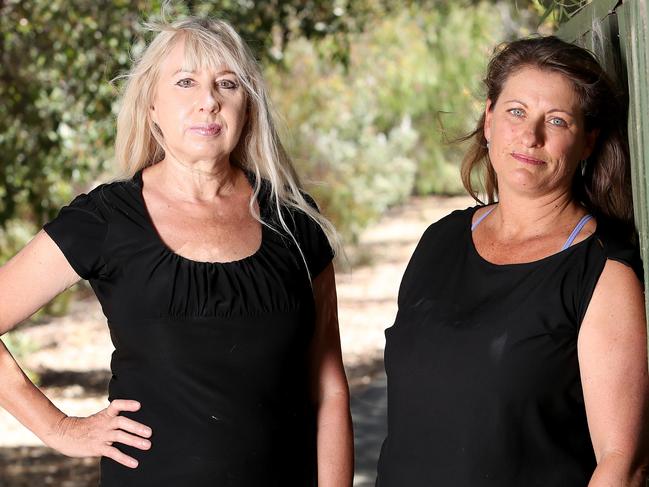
(516, 101)
(549, 111)
(562, 111)
(183, 70)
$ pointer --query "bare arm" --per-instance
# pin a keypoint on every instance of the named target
(31, 279)
(27, 282)
(612, 351)
(330, 390)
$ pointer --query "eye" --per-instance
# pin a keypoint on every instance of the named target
(558, 122)
(185, 83)
(228, 84)
(517, 112)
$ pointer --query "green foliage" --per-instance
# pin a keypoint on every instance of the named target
(17, 233)
(368, 89)
(559, 11)
(20, 346)
(56, 115)
(375, 130)
(58, 105)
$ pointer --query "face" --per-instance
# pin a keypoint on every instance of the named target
(536, 133)
(200, 114)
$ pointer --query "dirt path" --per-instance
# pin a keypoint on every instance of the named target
(73, 353)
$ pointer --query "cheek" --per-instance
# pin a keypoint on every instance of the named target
(502, 132)
(567, 150)
(241, 106)
(171, 117)
(505, 138)
(237, 115)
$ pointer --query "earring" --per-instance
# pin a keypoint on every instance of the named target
(582, 166)
(487, 144)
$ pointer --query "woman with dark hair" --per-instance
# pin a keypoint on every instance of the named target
(518, 354)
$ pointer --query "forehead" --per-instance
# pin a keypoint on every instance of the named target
(533, 85)
(183, 56)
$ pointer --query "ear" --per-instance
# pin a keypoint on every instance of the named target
(591, 139)
(487, 119)
(153, 114)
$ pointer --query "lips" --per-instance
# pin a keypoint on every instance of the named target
(207, 129)
(527, 159)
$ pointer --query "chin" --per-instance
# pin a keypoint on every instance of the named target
(208, 153)
(522, 181)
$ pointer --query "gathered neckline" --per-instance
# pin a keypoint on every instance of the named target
(153, 230)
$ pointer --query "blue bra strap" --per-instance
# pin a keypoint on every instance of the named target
(484, 215)
(576, 231)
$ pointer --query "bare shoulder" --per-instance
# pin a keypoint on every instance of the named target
(619, 280)
(617, 304)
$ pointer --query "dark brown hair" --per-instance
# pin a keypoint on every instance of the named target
(603, 183)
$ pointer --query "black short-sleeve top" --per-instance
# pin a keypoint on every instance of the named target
(214, 352)
(484, 387)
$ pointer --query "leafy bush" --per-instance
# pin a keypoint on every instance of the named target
(367, 88)
(373, 131)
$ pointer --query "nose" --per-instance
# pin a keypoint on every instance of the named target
(533, 134)
(209, 101)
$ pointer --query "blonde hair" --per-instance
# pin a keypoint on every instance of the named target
(211, 43)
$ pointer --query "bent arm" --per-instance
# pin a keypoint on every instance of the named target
(32, 278)
(27, 282)
(612, 350)
(330, 391)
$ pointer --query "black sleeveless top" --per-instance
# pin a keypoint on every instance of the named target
(214, 352)
(483, 376)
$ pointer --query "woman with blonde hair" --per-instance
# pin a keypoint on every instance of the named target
(214, 271)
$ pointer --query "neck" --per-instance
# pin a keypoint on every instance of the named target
(519, 217)
(199, 181)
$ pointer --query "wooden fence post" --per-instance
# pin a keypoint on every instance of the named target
(617, 31)
(634, 46)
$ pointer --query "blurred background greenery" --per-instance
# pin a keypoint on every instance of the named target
(368, 93)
